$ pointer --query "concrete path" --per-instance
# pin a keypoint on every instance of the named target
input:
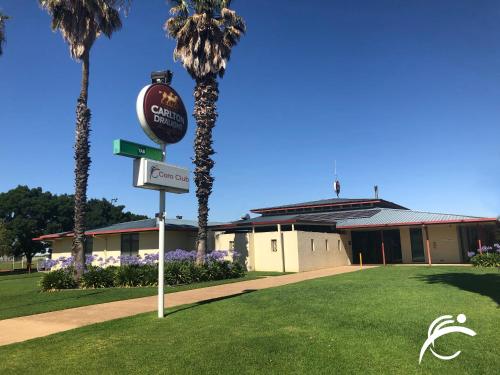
(39, 325)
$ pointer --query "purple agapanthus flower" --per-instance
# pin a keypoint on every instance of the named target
(66, 262)
(89, 259)
(130, 260)
(49, 263)
(151, 258)
(180, 256)
(216, 256)
(470, 254)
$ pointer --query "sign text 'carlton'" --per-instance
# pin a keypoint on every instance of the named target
(162, 113)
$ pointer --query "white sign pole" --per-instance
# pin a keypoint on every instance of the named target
(161, 247)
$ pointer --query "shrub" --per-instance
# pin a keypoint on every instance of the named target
(237, 270)
(57, 280)
(129, 275)
(98, 277)
(133, 271)
(217, 270)
(486, 260)
(149, 275)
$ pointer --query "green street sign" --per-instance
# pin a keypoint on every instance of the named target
(136, 150)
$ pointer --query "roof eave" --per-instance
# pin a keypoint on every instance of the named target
(403, 224)
(267, 223)
(52, 237)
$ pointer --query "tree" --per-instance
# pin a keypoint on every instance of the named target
(5, 240)
(29, 213)
(81, 22)
(102, 212)
(205, 32)
(25, 213)
(3, 18)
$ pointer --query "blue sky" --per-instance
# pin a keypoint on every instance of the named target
(403, 94)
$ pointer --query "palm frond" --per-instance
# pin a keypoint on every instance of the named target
(3, 18)
(81, 22)
(205, 31)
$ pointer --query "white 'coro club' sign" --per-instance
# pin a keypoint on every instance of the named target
(149, 174)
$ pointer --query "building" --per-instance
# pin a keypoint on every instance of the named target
(132, 238)
(306, 236)
(335, 232)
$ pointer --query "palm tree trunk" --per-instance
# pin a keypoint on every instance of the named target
(82, 164)
(206, 94)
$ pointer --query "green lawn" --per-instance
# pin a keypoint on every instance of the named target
(368, 322)
(18, 265)
(20, 295)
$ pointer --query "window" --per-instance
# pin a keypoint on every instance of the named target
(88, 247)
(326, 246)
(312, 245)
(130, 244)
(231, 245)
(274, 246)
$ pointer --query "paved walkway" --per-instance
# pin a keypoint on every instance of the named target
(39, 325)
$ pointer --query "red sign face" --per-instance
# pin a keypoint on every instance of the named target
(162, 113)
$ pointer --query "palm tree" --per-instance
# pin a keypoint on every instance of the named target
(81, 22)
(3, 17)
(206, 32)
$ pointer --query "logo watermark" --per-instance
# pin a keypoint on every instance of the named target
(438, 328)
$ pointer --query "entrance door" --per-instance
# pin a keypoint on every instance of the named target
(417, 245)
(392, 246)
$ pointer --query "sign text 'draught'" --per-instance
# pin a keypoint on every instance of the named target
(154, 175)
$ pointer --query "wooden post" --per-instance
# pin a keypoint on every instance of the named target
(383, 246)
(282, 248)
(360, 261)
(479, 239)
(428, 245)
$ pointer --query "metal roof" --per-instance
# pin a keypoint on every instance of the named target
(374, 217)
(133, 226)
(328, 218)
(330, 203)
(389, 216)
(147, 223)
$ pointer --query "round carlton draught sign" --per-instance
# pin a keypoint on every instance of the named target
(162, 113)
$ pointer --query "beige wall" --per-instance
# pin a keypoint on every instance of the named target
(242, 244)
(257, 252)
(285, 259)
(109, 245)
(321, 256)
(293, 250)
(61, 247)
(444, 244)
(404, 234)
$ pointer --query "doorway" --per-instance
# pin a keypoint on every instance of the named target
(369, 244)
(417, 245)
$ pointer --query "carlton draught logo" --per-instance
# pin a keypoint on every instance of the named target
(162, 113)
(169, 99)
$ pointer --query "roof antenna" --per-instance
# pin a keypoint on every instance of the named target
(375, 188)
(336, 184)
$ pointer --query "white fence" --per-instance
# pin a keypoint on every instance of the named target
(10, 263)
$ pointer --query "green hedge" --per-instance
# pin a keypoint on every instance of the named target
(58, 279)
(486, 260)
(133, 275)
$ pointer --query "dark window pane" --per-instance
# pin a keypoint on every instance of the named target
(89, 245)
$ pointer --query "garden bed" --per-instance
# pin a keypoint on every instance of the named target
(137, 271)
